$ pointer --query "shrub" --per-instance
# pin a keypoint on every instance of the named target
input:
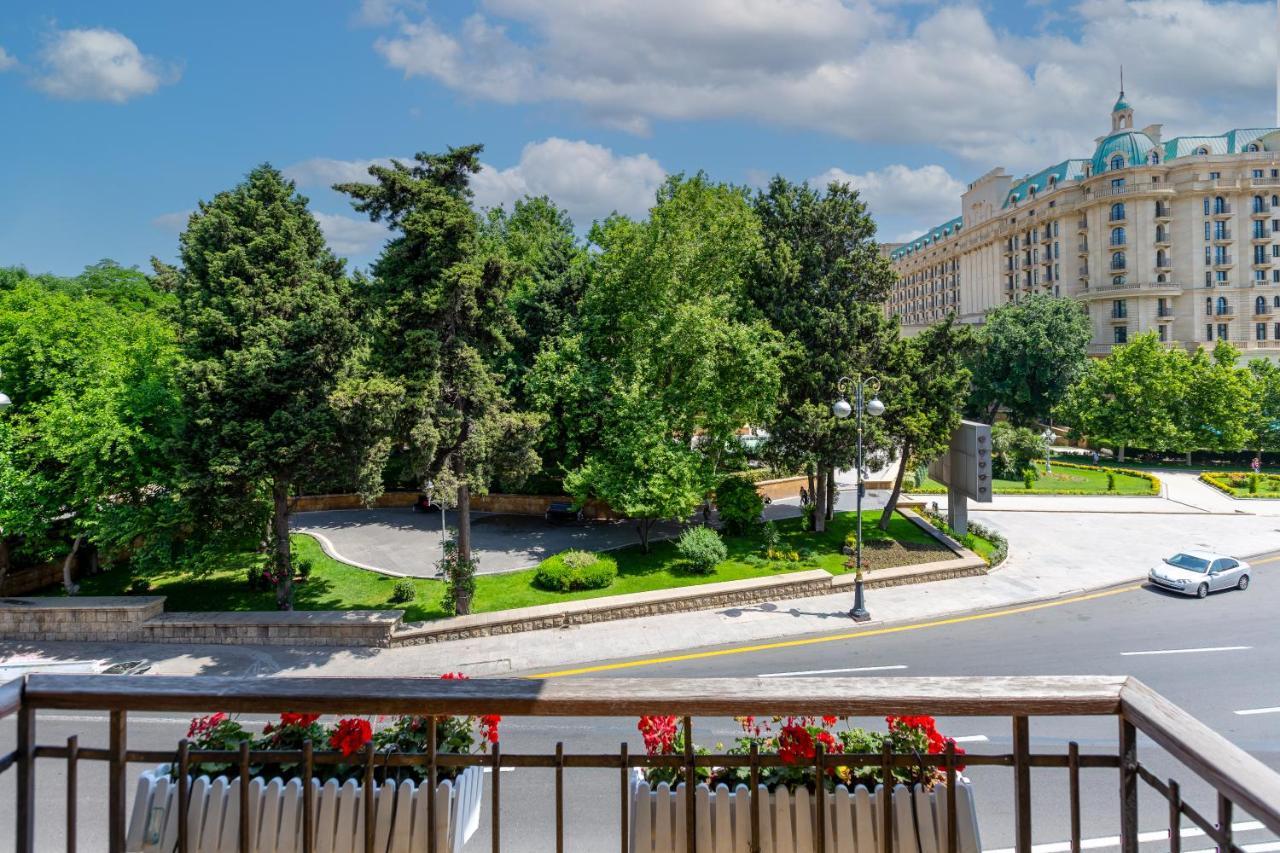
(919, 476)
(460, 580)
(1014, 450)
(403, 592)
(258, 580)
(1111, 481)
(139, 586)
(304, 568)
(769, 536)
(740, 505)
(1253, 484)
(1029, 478)
(782, 556)
(574, 570)
(702, 548)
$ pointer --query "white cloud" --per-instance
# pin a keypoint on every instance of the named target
(99, 65)
(927, 193)
(324, 172)
(862, 71)
(376, 13)
(7, 61)
(350, 236)
(175, 221)
(587, 180)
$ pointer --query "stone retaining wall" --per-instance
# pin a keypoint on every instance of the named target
(21, 581)
(495, 502)
(83, 618)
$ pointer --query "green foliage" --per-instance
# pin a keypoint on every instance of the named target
(573, 570)
(740, 505)
(1029, 477)
(459, 574)
(139, 586)
(1266, 391)
(403, 592)
(266, 325)
(872, 534)
(769, 537)
(1111, 481)
(1014, 450)
(1031, 352)
(1219, 409)
(702, 549)
(303, 567)
(1253, 484)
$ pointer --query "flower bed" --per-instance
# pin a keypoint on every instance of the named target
(851, 796)
(401, 798)
(1243, 484)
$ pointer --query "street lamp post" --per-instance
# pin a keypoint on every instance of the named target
(842, 409)
(1048, 435)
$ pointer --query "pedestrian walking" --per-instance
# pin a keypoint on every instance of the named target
(1095, 457)
(1256, 464)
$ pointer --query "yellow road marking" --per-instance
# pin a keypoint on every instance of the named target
(810, 641)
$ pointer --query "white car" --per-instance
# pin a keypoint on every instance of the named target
(1199, 573)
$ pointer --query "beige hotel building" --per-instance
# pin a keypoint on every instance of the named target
(1180, 236)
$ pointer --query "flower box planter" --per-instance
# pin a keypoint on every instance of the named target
(788, 819)
(275, 818)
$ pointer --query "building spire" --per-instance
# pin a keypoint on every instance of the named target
(1122, 82)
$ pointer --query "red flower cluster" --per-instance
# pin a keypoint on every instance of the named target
(201, 726)
(926, 725)
(795, 744)
(291, 719)
(488, 722)
(659, 734)
(350, 735)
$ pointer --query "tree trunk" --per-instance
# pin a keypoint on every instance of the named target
(813, 488)
(68, 583)
(280, 536)
(1120, 454)
(464, 511)
(992, 411)
(892, 504)
(1189, 462)
(4, 561)
(644, 526)
(820, 501)
(833, 492)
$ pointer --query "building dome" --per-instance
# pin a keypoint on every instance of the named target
(1135, 147)
(1121, 104)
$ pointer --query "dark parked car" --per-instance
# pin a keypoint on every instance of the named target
(561, 512)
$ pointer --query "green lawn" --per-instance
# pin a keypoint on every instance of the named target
(1236, 483)
(338, 586)
(1066, 480)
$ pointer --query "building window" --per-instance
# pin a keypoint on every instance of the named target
(1208, 306)
(1275, 331)
(1117, 162)
(1260, 305)
(1213, 176)
(1208, 278)
(1220, 276)
(1220, 255)
(1222, 332)
(1221, 305)
(1259, 331)
(1117, 212)
(1162, 330)
(1253, 146)
(1119, 308)
(1154, 159)
(1257, 173)
(1259, 204)
(1117, 236)
(1121, 334)
(1206, 205)
(1117, 280)
(1275, 225)
(1202, 151)
(1220, 229)
(1219, 204)
(1208, 232)
(1275, 276)
(1259, 254)
(1260, 276)
(1208, 331)
(1117, 261)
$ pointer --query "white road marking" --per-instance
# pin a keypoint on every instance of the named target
(1251, 711)
(1188, 651)
(504, 770)
(1145, 837)
(831, 671)
(971, 739)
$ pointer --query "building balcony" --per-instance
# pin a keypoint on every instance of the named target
(1164, 312)
(1119, 315)
(1222, 261)
(1163, 238)
(1082, 225)
(1265, 182)
(1117, 219)
(1264, 314)
(1082, 248)
(1223, 236)
(1163, 212)
(1220, 212)
(1260, 237)
(1228, 311)
(1032, 787)
(1144, 288)
(1262, 212)
(1266, 263)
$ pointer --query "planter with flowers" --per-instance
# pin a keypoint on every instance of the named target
(853, 804)
(400, 801)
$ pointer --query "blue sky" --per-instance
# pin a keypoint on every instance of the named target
(123, 114)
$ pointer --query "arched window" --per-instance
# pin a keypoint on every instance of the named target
(1202, 151)
(1117, 162)
(1275, 302)
(1117, 212)
(1053, 181)
(1162, 260)
(1208, 305)
(1117, 236)
(1161, 278)
(1222, 305)
(1260, 305)
(1117, 261)
(1117, 280)
(1253, 146)
(1206, 205)
(1275, 201)
(1219, 204)
(1154, 158)
(1259, 204)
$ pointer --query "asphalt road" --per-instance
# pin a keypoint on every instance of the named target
(1215, 657)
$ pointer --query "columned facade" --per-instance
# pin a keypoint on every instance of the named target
(1180, 236)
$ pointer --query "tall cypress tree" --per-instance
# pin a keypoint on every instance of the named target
(266, 325)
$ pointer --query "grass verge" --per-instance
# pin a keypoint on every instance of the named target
(1243, 484)
(337, 586)
(1067, 478)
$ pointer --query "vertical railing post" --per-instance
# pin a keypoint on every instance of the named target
(370, 825)
(1073, 785)
(495, 831)
(952, 818)
(1022, 783)
(1175, 818)
(1128, 787)
(116, 777)
(690, 786)
(26, 829)
(560, 797)
(308, 798)
(73, 759)
(1225, 808)
(242, 835)
(886, 793)
(431, 785)
(820, 792)
(625, 804)
(755, 796)
(184, 794)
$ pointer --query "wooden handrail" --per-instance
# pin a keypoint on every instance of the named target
(1245, 780)
(965, 696)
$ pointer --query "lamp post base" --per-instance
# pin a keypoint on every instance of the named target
(859, 612)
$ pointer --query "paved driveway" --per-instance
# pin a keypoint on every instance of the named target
(408, 543)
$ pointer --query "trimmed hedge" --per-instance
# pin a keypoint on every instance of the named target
(574, 570)
(1236, 484)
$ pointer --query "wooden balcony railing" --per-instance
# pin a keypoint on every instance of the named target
(1238, 780)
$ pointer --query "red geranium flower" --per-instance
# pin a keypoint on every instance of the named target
(291, 719)
(350, 735)
(204, 725)
(795, 744)
(659, 734)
